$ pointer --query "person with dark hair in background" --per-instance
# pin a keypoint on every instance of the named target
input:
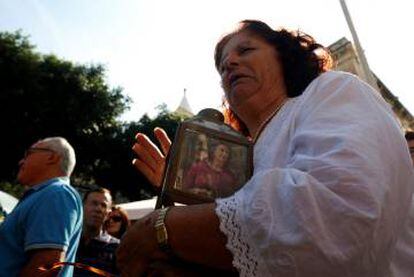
(117, 222)
(211, 177)
(96, 247)
(409, 137)
(332, 181)
(45, 226)
(404, 254)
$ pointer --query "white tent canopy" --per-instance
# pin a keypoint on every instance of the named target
(7, 201)
(138, 209)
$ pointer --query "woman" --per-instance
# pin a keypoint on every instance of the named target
(211, 177)
(332, 177)
(117, 222)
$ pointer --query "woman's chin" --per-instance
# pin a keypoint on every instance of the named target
(240, 96)
(111, 231)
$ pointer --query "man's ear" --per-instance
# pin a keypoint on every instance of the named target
(54, 158)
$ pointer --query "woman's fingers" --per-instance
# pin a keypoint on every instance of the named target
(149, 147)
(132, 266)
(144, 155)
(150, 161)
(163, 139)
(154, 177)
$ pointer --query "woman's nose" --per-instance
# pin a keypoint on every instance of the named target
(231, 60)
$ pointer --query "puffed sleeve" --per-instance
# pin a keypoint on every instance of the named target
(334, 204)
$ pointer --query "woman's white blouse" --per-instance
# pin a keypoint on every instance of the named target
(331, 187)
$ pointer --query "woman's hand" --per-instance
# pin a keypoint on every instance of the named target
(139, 248)
(150, 160)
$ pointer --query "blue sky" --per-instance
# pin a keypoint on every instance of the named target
(154, 49)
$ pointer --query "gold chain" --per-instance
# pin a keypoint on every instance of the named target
(266, 121)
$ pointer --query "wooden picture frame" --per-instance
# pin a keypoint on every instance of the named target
(208, 160)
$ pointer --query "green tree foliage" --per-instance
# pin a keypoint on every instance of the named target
(119, 154)
(12, 188)
(43, 96)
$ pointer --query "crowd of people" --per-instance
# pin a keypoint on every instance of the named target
(52, 226)
(330, 195)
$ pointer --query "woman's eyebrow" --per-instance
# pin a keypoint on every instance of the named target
(243, 43)
(246, 42)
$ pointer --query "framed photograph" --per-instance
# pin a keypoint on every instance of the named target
(208, 160)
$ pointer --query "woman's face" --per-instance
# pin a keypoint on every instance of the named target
(250, 72)
(221, 153)
(114, 223)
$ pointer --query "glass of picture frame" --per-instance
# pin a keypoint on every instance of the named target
(208, 160)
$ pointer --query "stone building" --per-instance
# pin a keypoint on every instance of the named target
(346, 59)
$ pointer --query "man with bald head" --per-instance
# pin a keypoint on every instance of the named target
(45, 226)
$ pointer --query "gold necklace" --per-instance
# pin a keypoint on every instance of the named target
(266, 121)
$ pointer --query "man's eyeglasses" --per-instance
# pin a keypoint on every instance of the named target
(32, 150)
(116, 218)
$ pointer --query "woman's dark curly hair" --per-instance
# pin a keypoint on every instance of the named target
(301, 57)
(125, 222)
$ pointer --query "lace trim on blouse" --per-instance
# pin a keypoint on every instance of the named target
(243, 258)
